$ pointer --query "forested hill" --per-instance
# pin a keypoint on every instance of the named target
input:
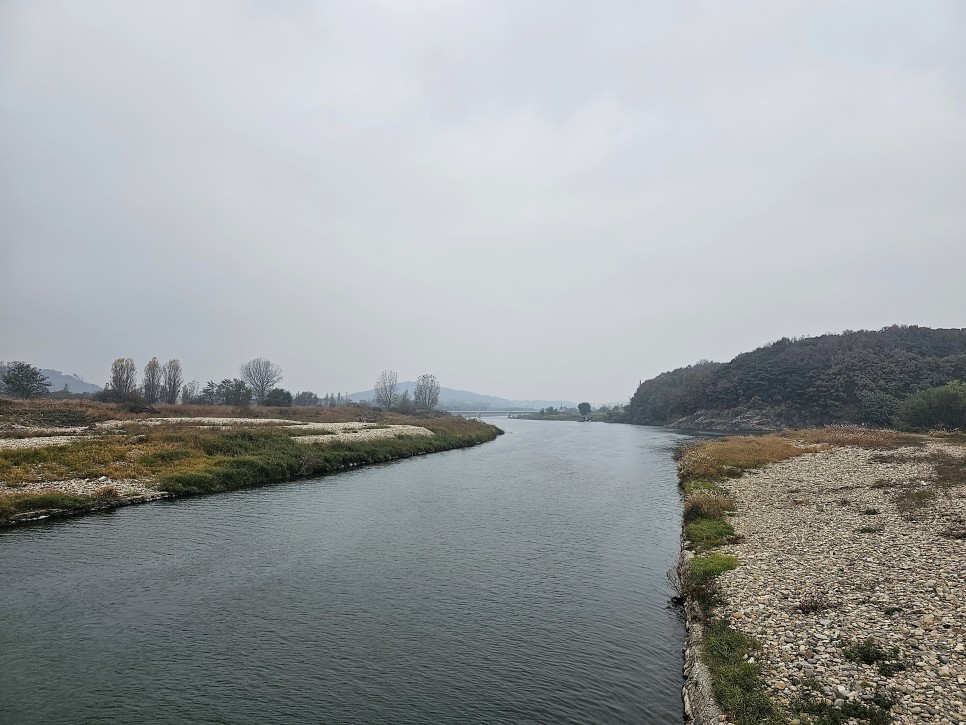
(855, 377)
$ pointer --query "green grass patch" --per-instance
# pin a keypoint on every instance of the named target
(869, 652)
(700, 485)
(813, 703)
(703, 568)
(23, 502)
(704, 534)
(737, 684)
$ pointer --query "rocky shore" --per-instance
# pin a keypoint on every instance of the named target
(852, 577)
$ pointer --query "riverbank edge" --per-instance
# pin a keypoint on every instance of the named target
(832, 460)
(700, 705)
(101, 505)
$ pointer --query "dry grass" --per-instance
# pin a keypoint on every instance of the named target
(114, 456)
(730, 457)
(873, 438)
(58, 413)
(707, 505)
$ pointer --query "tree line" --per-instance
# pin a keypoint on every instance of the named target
(855, 377)
(257, 382)
(386, 392)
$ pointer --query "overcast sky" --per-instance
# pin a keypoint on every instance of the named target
(528, 199)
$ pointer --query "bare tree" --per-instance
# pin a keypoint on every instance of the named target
(151, 385)
(261, 375)
(171, 378)
(426, 395)
(385, 388)
(124, 378)
(189, 392)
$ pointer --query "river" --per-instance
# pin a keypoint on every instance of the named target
(517, 581)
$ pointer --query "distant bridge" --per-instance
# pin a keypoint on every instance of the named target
(502, 413)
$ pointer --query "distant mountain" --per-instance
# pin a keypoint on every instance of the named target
(74, 382)
(856, 377)
(451, 399)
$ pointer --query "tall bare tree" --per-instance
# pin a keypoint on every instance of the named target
(189, 392)
(171, 379)
(426, 394)
(261, 375)
(151, 384)
(385, 388)
(124, 378)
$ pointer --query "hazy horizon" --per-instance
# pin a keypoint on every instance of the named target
(533, 201)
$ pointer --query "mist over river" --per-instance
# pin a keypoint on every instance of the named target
(517, 581)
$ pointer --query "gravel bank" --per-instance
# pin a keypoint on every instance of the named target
(872, 540)
(316, 433)
(327, 432)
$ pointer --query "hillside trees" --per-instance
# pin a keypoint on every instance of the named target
(261, 375)
(855, 377)
(23, 380)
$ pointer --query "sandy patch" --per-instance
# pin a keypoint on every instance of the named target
(364, 433)
(38, 442)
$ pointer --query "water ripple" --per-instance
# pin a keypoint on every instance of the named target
(521, 581)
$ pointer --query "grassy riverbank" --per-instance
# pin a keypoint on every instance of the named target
(719, 489)
(78, 456)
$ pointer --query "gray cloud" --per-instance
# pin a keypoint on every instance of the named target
(527, 199)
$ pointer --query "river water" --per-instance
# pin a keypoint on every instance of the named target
(518, 581)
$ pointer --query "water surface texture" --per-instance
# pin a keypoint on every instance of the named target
(519, 581)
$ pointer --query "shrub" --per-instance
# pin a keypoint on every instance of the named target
(870, 652)
(942, 407)
(707, 505)
(814, 602)
(950, 470)
(278, 397)
(909, 501)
